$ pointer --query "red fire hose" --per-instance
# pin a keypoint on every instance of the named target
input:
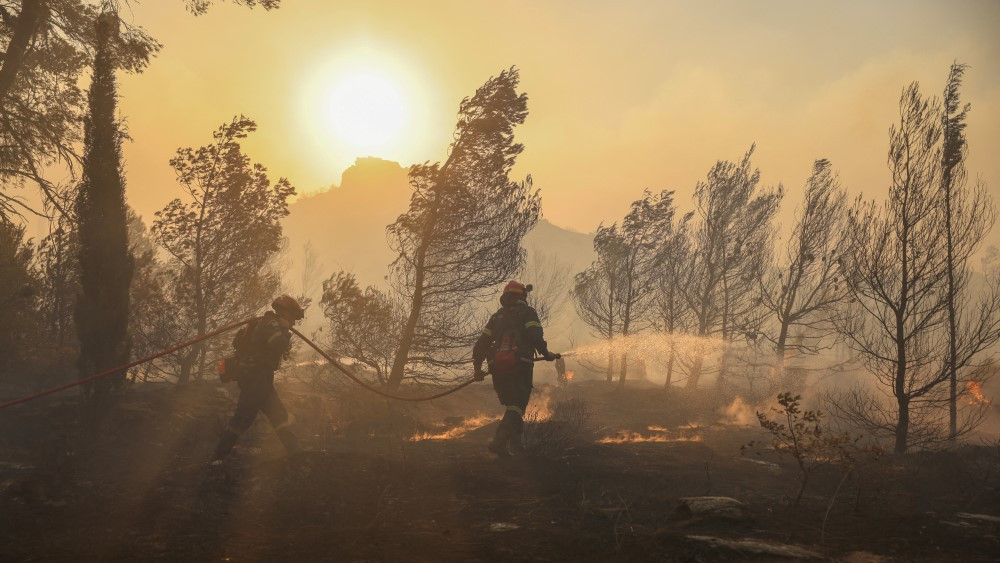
(124, 367)
(225, 329)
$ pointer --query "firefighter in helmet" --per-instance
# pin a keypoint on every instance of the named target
(260, 347)
(508, 343)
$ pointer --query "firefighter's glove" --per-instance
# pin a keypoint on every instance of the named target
(478, 374)
(549, 356)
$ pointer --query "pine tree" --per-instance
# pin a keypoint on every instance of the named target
(105, 263)
(462, 233)
(968, 217)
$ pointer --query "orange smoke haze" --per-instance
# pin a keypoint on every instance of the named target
(622, 96)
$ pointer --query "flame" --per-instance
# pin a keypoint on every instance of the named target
(541, 408)
(657, 434)
(569, 375)
(975, 389)
(466, 426)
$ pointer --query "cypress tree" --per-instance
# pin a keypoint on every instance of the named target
(105, 263)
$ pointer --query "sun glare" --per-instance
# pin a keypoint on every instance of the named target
(366, 111)
(369, 100)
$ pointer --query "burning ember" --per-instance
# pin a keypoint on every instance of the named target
(656, 434)
(975, 389)
(569, 375)
(466, 426)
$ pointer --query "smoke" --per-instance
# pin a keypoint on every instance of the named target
(651, 344)
(738, 413)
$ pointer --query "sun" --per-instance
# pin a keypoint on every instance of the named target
(365, 100)
(365, 111)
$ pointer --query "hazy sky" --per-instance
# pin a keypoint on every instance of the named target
(622, 95)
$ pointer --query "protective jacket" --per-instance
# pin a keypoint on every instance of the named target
(261, 347)
(517, 317)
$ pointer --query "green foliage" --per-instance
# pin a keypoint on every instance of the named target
(48, 48)
(101, 314)
(153, 322)
(364, 324)
(18, 292)
(198, 7)
(223, 239)
(58, 265)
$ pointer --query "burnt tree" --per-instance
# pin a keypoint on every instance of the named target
(732, 242)
(803, 292)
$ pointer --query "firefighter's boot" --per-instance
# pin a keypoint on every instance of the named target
(225, 445)
(516, 445)
(499, 443)
(289, 440)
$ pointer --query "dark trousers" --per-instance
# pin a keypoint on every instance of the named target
(257, 394)
(514, 389)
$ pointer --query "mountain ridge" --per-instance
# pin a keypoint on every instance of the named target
(343, 227)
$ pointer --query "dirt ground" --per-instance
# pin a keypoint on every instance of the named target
(387, 482)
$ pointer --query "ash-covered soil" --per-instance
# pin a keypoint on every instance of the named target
(388, 482)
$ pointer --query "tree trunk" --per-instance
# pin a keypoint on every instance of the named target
(402, 356)
(611, 363)
(902, 398)
(952, 328)
(406, 340)
(187, 362)
(903, 425)
(624, 372)
(695, 372)
(33, 13)
(670, 367)
(720, 382)
(779, 359)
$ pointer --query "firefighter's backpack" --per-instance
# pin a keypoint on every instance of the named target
(231, 368)
(506, 357)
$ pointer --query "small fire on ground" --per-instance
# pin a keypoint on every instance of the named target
(463, 428)
(653, 434)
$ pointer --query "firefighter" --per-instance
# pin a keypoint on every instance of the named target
(260, 347)
(508, 343)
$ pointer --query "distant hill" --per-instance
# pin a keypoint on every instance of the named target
(570, 246)
(345, 229)
(345, 224)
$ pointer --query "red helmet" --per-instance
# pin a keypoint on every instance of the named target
(515, 287)
(287, 304)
